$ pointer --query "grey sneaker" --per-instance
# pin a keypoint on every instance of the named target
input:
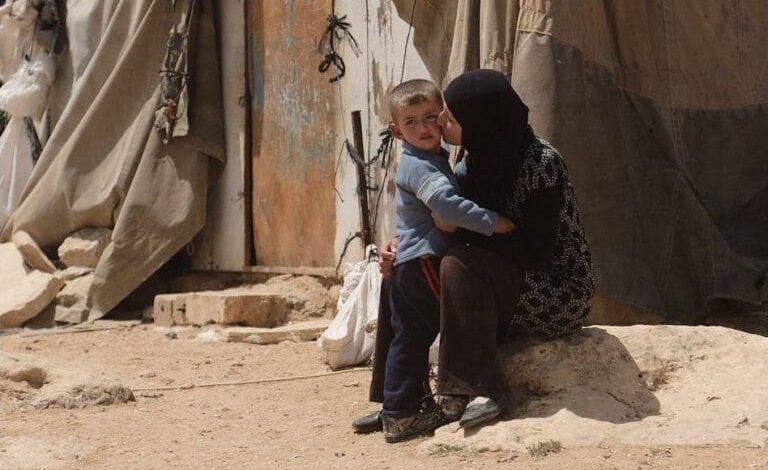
(452, 406)
(480, 411)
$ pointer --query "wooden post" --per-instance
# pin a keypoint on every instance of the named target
(362, 180)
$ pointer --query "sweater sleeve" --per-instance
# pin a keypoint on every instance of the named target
(444, 200)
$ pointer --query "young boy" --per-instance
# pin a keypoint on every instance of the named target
(425, 185)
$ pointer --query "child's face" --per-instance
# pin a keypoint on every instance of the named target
(450, 127)
(417, 125)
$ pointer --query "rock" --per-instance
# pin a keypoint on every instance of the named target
(233, 306)
(45, 385)
(12, 267)
(75, 291)
(27, 299)
(84, 247)
(72, 273)
(44, 319)
(33, 255)
(71, 315)
(633, 386)
(301, 331)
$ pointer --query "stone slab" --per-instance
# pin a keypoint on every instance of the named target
(72, 273)
(84, 247)
(28, 298)
(12, 267)
(221, 307)
(297, 332)
(33, 255)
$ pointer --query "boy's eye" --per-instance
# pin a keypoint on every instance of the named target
(410, 122)
(431, 119)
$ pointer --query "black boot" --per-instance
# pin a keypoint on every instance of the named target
(368, 423)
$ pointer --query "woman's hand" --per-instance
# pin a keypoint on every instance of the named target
(504, 225)
(442, 225)
(387, 253)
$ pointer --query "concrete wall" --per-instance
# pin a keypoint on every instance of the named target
(381, 34)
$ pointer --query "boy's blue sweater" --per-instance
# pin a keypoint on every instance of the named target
(426, 185)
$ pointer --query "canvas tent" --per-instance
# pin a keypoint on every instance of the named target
(105, 164)
(659, 109)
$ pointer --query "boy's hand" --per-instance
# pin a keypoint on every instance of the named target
(443, 225)
(503, 225)
(387, 253)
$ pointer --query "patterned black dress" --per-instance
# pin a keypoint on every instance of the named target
(556, 298)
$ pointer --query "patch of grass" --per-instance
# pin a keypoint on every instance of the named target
(544, 448)
(441, 450)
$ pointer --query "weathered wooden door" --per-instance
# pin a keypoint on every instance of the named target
(292, 134)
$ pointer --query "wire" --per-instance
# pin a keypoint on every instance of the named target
(249, 382)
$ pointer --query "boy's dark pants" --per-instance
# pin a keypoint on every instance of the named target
(415, 318)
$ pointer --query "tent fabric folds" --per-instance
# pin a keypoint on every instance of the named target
(659, 109)
(104, 164)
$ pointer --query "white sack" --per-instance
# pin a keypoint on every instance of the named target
(25, 93)
(15, 166)
(350, 338)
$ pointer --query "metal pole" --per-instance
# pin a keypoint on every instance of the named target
(362, 182)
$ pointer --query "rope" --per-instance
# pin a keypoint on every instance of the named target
(407, 38)
(249, 382)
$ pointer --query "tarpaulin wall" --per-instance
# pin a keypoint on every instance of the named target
(105, 164)
(659, 109)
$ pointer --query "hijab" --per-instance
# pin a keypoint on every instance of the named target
(495, 132)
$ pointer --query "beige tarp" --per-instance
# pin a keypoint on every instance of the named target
(104, 164)
(659, 108)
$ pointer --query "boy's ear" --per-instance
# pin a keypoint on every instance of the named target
(396, 130)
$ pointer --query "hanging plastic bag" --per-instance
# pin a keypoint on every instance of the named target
(26, 92)
(15, 166)
(350, 338)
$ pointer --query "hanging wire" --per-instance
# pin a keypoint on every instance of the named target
(336, 31)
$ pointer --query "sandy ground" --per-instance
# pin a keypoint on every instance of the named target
(303, 423)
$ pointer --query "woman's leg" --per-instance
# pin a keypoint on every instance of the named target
(479, 292)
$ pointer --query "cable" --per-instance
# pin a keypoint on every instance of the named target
(249, 382)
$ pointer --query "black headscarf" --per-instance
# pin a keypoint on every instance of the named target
(495, 132)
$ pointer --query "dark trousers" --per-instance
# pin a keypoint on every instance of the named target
(415, 318)
(479, 292)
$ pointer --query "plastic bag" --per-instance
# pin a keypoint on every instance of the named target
(350, 338)
(15, 166)
(26, 92)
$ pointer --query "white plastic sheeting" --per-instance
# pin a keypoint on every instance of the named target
(23, 94)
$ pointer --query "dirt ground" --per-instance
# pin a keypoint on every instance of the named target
(292, 424)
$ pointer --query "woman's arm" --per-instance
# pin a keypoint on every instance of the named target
(532, 244)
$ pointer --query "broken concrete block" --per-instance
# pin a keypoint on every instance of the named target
(84, 247)
(28, 298)
(224, 307)
(301, 331)
(72, 273)
(75, 291)
(75, 314)
(12, 267)
(164, 314)
(33, 255)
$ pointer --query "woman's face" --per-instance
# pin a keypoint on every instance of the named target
(450, 127)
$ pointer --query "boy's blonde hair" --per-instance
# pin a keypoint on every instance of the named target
(412, 92)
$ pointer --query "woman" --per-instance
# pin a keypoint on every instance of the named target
(536, 281)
